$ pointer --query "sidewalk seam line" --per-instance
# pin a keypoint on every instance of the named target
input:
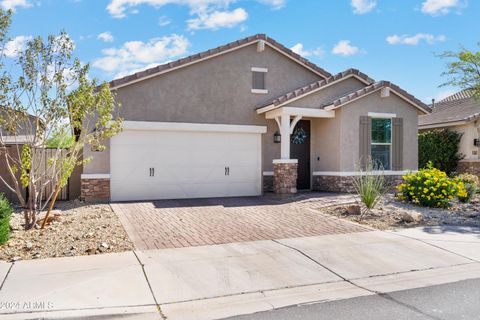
(326, 268)
(6, 275)
(150, 286)
(430, 244)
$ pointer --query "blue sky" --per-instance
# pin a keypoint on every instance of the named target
(393, 40)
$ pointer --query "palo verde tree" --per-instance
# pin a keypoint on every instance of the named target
(463, 70)
(47, 93)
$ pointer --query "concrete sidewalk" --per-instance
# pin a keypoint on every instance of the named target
(214, 282)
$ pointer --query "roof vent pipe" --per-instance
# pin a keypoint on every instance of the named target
(433, 103)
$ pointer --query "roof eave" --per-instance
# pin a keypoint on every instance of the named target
(177, 64)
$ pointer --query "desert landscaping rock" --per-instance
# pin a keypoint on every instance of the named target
(391, 213)
(354, 210)
(410, 217)
(75, 229)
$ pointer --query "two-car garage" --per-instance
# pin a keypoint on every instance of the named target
(153, 160)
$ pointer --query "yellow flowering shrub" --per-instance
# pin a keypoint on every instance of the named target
(471, 184)
(430, 187)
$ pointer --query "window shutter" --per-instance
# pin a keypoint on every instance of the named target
(365, 140)
(397, 144)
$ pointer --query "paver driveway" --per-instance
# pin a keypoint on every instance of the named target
(195, 222)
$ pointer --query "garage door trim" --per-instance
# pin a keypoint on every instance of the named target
(194, 127)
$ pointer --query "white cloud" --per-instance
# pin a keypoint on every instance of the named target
(13, 4)
(218, 19)
(164, 21)
(440, 96)
(276, 4)
(416, 39)
(16, 45)
(105, 36)
(444, 94)
(138, 55)
(298, 49)
(441, 7)
(206, 14)
(363, 6)
(344, 48)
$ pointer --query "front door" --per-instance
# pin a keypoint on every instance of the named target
(300, 149)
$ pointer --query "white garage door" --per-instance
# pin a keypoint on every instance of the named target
(166, 163)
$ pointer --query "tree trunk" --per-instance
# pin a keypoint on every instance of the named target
(50, 207)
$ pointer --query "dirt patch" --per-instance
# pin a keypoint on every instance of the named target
(390, 214)
(80, 229)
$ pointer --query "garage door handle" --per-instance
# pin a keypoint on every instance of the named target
(152, 172)
(227, 171)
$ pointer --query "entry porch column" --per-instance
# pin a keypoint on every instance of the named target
(285, 170)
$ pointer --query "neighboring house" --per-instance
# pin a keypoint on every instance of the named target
(246, 117)
(459, 112)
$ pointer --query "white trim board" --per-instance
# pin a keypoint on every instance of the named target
(194, 127)
(381, 115)
(95, 176)
(268, 173)
(357, 173)
(260, 91)
(258, 69)
(278, 161)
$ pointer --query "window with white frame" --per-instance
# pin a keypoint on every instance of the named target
(258, 80)
(381, 138)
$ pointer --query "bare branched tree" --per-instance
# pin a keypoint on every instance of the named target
(47, 92)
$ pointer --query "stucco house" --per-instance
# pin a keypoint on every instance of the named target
(459, 112)
(247, 117)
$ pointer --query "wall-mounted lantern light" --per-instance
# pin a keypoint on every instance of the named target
(277, 138)
(476, 142)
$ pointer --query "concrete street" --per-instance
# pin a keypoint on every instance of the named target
(220, 281)
(453, 301)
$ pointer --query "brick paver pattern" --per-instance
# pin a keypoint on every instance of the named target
(195, 222)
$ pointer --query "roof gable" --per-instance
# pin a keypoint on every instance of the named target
(314, 87)
(209, 54)
(377, 86)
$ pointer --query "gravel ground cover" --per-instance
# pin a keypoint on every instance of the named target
(77, 229)
(391, 213)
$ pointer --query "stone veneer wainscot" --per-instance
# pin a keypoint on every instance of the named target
(285, 176)
(95, 188)
(469, 166)
(338, 183)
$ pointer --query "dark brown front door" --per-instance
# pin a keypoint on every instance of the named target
(300, 149)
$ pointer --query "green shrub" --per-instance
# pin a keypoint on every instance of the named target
(441, 147)
(370, 185)
(471, 183)
(5, 213)
(430, 187)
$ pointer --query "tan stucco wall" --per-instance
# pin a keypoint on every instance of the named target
(350, 118)
(325, 143)
(328, 94)
(470, 133)
(217, 90)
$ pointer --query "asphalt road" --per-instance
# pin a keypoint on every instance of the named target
(459, 300)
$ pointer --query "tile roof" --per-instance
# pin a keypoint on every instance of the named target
(374, 87)
(316, 85)
(212, 52)
(461, 106)
(464, 94)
